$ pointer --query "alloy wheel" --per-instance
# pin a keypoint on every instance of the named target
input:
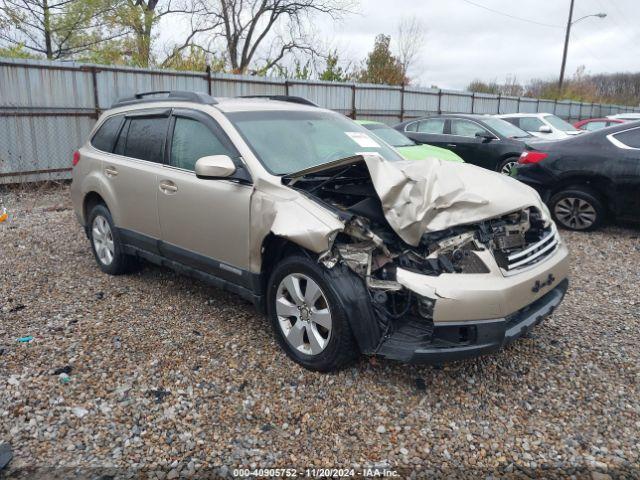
(303, 314)
(506, 168)
(575, 213)
(102, 240)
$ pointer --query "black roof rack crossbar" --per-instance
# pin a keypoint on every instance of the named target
(284, 98)
(172, 95)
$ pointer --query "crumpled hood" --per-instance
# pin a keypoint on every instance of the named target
(429, 196)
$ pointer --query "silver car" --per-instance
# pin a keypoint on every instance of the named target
(346, 247)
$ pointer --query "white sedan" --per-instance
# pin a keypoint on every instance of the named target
(542, 125)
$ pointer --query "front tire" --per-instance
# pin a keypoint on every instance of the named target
(106, 245)
(577, 208)
(307, 318)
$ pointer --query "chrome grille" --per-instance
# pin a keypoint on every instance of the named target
(535, 252)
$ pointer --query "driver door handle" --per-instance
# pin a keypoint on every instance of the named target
(168, 187)
(451, 145)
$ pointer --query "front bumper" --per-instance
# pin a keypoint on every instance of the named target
(417, 342)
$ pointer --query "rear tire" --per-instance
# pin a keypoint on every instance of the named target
(307, 318)
(106, 245)
(506, 165)
(577, 208)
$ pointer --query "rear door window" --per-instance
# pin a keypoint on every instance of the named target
(145, 138)
(105, 138)
(466, 128)
(530, 124)
(412, 127)
(432, 125)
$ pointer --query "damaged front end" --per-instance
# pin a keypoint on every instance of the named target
(417, 284)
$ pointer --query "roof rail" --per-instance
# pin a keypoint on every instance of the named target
(172, 95)
(284, 98)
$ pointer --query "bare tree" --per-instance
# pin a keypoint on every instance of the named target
(245, 28)
(54, 28)
(411, 38)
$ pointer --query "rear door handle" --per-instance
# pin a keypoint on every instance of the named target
(451, 145)
(110, 171)
(168, 187)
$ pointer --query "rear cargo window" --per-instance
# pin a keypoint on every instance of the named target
(145, 138)
(105, 137)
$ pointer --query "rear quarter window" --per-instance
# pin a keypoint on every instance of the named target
(630, 138)
(105, 138)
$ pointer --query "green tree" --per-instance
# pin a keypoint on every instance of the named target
(382, 66)
(478, 86)
(16, 51)
(54, 29)
(300, 71)
(194, 59)
(332, 71)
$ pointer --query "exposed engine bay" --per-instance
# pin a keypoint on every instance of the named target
(371, 248)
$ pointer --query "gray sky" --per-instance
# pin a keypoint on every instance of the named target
(464, 42)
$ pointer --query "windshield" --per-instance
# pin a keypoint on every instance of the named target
(289, 141)
(389, 135)
(504, 128)
(557, 122)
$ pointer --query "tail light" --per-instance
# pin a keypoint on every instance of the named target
(531, 157)
(76, 158)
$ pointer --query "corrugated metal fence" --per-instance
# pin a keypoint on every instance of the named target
(47, 108)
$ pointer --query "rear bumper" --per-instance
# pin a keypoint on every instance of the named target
(447, 341)
(537, 177)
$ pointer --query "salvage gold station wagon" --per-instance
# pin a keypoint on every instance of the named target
(346, 247)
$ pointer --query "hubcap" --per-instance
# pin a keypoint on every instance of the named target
(575, 213)
(102, 240)
(303, 314)
(506, 168)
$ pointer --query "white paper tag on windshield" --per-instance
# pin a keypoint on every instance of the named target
(363, 139)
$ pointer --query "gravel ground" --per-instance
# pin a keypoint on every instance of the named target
(160, 374)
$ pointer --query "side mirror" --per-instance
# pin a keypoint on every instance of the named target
(545, 129)
(215, 166)
(485, 135)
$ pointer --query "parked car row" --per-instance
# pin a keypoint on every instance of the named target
(585, 178)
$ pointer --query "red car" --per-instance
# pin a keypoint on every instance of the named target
(592, 124)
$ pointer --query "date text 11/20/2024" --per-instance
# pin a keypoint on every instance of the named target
(368, 472)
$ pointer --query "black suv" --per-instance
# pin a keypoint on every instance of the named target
(485, 141)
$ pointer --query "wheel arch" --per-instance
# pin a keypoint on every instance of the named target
(91, 199)
(360, 314)
(273, 249)
(599, 184)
